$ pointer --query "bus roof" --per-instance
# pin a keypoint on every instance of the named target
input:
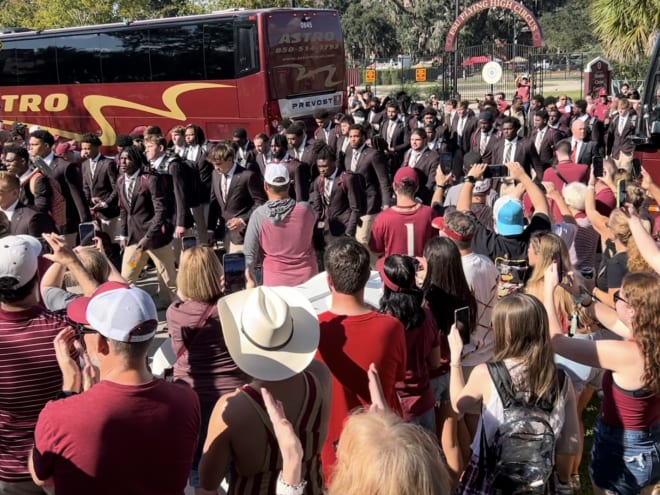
(20, 32)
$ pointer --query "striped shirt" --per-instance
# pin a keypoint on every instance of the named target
(29, 377)
(307, 426)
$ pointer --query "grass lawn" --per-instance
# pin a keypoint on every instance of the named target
(590, 416)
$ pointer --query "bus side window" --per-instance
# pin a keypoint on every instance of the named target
(219, 49)
(247, 53)
(176, 53)
(78, 59)
(35, 64)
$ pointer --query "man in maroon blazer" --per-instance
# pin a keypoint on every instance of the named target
(513, 148)
(145, 223)
(99, 180)
(235, 194)
(68, 176)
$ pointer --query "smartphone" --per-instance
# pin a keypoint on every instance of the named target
(189, 241)
(597, 164)
(620, 193)
(86, 231)
(560, 267)
(462, 322)
(234, 267)
(446, 162)
(496, 171)
(45, 247)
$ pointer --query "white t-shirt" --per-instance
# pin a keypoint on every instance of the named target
(481, 276)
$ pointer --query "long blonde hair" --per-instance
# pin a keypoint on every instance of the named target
(380, 454)
(618, 224)
(522, 332)
(200, 275)
(548, 246)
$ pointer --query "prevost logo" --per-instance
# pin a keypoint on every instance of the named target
(306, 105)
(314, 103)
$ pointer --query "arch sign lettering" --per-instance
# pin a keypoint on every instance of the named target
(515, 7)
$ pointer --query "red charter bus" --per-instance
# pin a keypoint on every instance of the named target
(647, 139)
(239, 68)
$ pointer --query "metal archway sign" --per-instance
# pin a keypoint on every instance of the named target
(515, 7)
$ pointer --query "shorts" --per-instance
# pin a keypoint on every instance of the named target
(440, 388)
(581, 375)
(625, 461)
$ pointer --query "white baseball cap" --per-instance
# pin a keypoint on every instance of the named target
(118, 311)
(277, 174)
(18, 260)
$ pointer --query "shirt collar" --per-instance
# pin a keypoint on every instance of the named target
(132, 177)
(12, 207)
(157, 164)
(232, 171)
(48, 159)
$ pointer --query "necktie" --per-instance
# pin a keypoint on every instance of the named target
(622, 124)
(539, 140)
(92, 164)
(354, 160)
(507, 151)
(390, 132)
(129, 192)
(414, 156)
(483, 143)
(461, 126)
(225, 187)
(327, 187)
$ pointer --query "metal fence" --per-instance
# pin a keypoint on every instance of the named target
(549, 73)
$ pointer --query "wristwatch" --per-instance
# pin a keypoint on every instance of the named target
(469, 178)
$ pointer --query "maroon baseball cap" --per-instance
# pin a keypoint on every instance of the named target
(406, 174)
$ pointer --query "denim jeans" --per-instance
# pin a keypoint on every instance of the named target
(625, 461)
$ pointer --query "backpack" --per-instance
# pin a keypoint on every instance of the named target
(521, 456)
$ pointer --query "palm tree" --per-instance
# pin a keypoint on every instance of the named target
(627, 29)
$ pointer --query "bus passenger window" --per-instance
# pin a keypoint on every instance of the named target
(219, 49)
(247, 50)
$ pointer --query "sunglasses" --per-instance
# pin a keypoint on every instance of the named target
(617, 297)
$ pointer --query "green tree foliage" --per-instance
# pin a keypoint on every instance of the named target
(568, 29)
(368, 32)
(626, 29)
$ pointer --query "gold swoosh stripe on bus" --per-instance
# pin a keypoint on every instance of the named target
(303, 73)
(96, 103)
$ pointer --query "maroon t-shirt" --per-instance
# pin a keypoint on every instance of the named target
(394, 230)
(415, 391)
(348, 345)
(119, 439)
(571, 172)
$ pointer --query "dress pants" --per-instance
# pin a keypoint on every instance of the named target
(163, 258)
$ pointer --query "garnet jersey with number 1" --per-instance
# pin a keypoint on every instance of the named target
(402, 231)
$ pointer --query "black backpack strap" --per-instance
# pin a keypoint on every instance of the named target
(558, 174)
(502, 380)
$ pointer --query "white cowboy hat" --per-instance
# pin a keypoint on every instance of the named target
(272, 333)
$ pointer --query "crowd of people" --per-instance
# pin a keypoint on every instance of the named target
(515, 245)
